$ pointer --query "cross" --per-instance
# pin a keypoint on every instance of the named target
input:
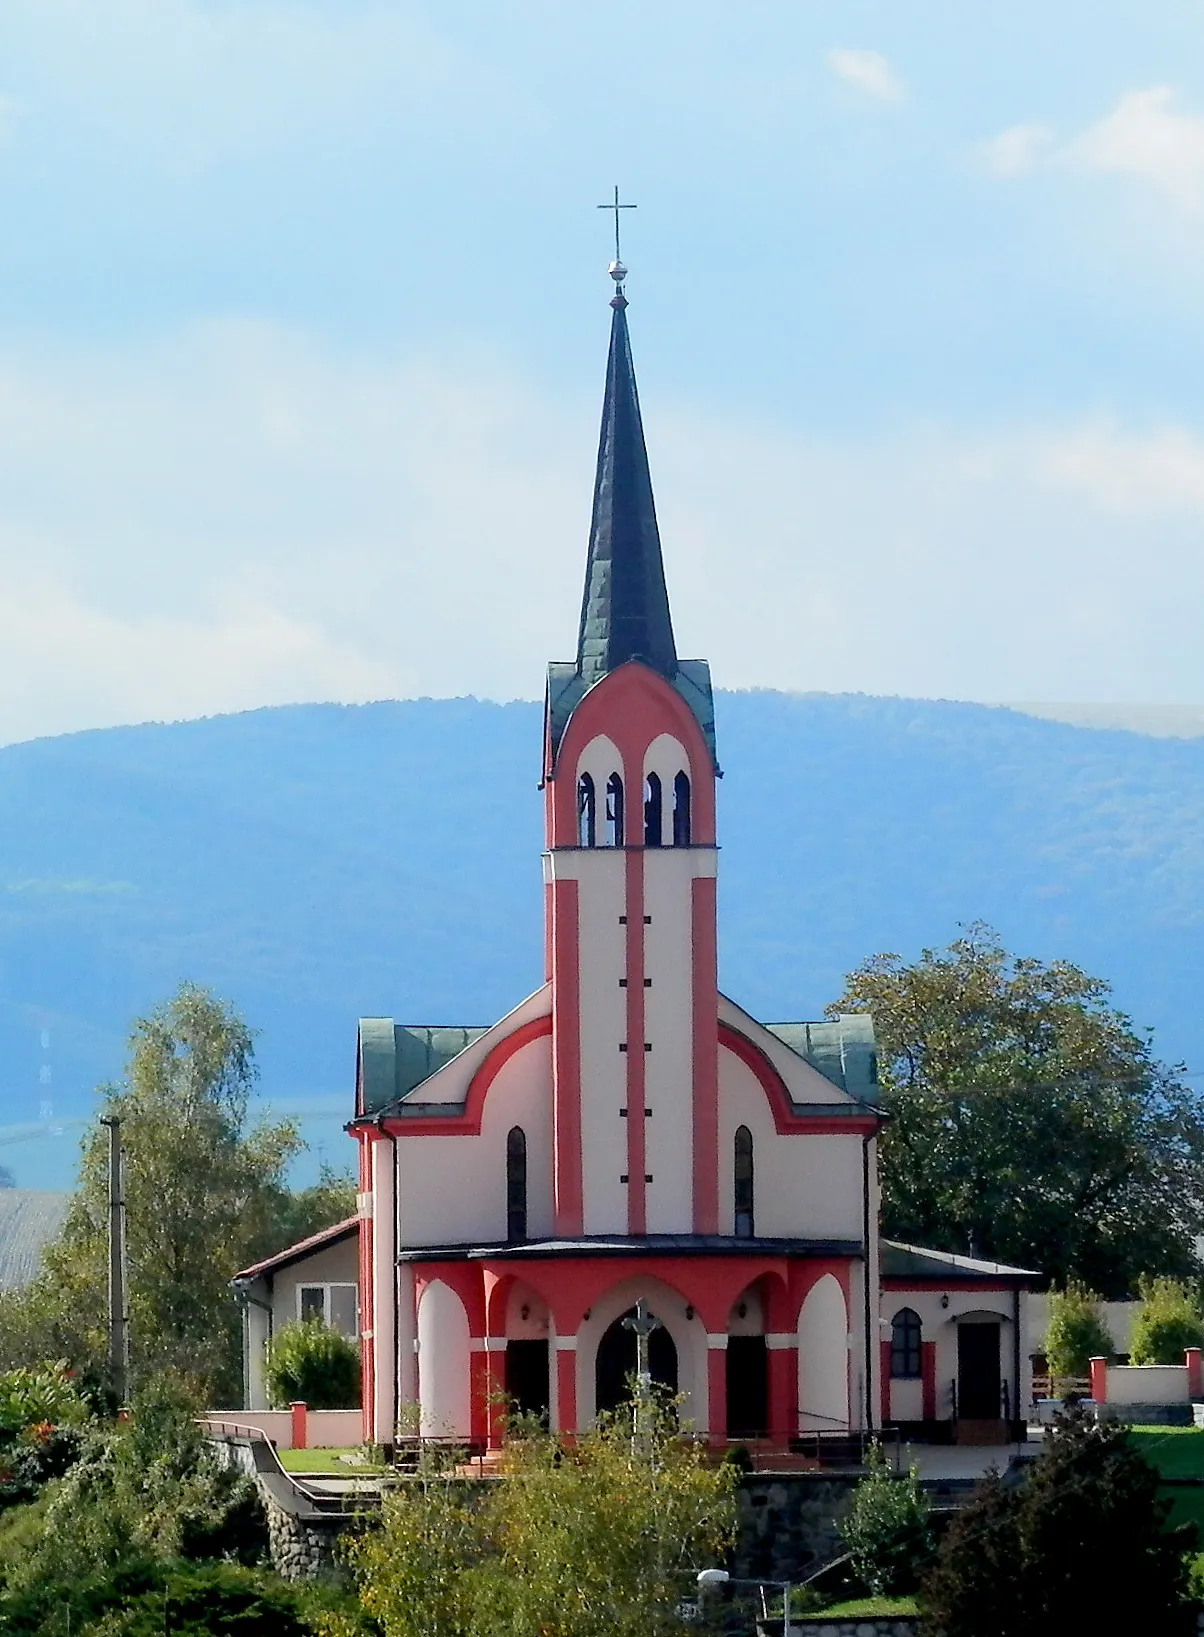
(617, 207)
(643, 1323)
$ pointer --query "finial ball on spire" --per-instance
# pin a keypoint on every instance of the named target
(617, 271)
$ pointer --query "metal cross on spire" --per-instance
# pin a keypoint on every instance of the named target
(617, 207)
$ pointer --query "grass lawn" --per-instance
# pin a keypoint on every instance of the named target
(1176, 1452)
(862, 1608)
(325, 1461)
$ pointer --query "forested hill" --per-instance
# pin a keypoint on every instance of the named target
(316, 863)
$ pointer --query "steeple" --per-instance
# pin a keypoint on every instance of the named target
(625, 610)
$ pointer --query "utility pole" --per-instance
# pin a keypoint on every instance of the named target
(119, 1343)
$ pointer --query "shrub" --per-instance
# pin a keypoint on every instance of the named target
(1082, 1544)
(313, 1364)
(43, 1396)
(1076, 1332)
(887, 1530)
(1168, 1322)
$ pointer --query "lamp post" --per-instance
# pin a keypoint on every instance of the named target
(711, 1579)
(643, 1323)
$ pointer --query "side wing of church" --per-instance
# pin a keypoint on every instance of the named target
(627, 1132)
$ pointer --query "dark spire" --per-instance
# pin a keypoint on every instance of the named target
(625, 610)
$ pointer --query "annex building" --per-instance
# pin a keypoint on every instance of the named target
(628, 1132)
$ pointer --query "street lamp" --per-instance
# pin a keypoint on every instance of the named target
(710, 1579)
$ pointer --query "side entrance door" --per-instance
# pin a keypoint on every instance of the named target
(978, 1379)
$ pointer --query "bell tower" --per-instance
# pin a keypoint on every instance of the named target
(630, 862)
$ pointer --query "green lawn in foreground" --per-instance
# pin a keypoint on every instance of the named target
(1176, 1452)
(325, 1461)
(863, 1608)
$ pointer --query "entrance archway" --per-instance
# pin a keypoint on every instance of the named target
(616, 1361)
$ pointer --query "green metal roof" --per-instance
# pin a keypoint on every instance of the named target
(396, 1057)
(567, 688)
(843, 1051)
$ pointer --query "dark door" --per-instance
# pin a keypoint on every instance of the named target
(978, 1381)
(747, 1387)
(527, 1376)
(615, 1366)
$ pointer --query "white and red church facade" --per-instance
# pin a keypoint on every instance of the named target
(629, 1132)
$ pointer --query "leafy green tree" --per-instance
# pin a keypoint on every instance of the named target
(315, 1364)
(593, 1539)
(1082, 1544)
(1028, 1121)
(887, 1529)
(1076, 1332)
(1168, 1321)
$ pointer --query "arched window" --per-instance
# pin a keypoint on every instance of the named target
(681, 810)
(905, 1352)
(614, 811)
(744, 1183)
(516, 1183)
(587, 817)
(652, 811)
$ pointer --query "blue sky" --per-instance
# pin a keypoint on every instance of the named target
(302, 329)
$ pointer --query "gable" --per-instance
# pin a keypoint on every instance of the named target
(822, 1065)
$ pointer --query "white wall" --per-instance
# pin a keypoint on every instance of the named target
(804, 1083)
(601, 899)
(823, 1358)
(807, 1187)
(453, 1188)
(1147, 1384)
(1118, 1317)
(443, 1364)
(939, 1325)
(335, 1265)
(669, 875)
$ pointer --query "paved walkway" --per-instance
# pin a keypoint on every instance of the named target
(964, 1461)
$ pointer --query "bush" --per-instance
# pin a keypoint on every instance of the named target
(41, 1397)
(313, 1364)
(1168, 1322)
(887, 1530)
(1076, 1332)
(1081, 1545)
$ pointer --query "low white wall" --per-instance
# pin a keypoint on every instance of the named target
(1147, 1384)
(1118, 1320)
(335, 1429)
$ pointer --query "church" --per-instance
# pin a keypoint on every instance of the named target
(629, 1134)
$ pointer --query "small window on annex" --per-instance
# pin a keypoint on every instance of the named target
(905, 1350)
(334, 1305)
(744, 1184)
(681, 810)
(614, 811)
(587, 815)
(516, 1184)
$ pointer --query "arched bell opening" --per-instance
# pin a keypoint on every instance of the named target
(615, 1363)
(747, 1364)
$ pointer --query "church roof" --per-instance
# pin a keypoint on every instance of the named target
(625, 607)
(901, 1261)
(842, 1051)
(29, 1221)
(396, 1057)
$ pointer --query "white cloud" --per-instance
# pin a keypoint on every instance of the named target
(868, 72)
(1016, 150)
(240, 516)
(1146, 136)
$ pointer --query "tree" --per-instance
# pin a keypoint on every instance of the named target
(1028, 1122)
(1082, 1544)
(203, 1190)
(1168, 1322)
(595, 1539)
(887, 1529)
(1076, 1333)
(314, 1364)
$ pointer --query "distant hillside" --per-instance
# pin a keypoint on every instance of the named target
(315, 863)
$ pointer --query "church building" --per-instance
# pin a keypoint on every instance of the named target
(628, 1133)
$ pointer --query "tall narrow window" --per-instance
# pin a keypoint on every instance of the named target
(614, 811)
(516, 1184)
(587, 816)
(652, 811)
(744, 1183)
(681, 810)
(905, 1338)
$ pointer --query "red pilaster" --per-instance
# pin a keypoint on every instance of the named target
(637, 1214)
(495, 1390)
(566, 1388)
(884, 1379)
(928, 1379)
(566, 1059)
(1194, 1360)
(299, 1425)
(1099, 1380)
(783, 1393)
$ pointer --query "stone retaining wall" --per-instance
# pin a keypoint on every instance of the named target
(897, 1626)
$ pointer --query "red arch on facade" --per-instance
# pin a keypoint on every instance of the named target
(786, 1121)
(466, 1121)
